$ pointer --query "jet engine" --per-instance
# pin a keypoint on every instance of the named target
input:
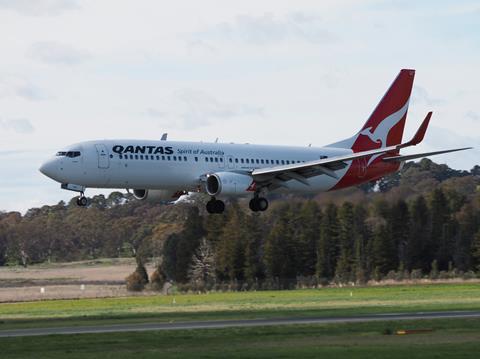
(156, 194)
(229, 183)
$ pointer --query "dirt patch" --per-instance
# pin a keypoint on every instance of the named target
(92, 279)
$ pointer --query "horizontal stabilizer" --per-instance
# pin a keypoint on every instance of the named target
(421, 155)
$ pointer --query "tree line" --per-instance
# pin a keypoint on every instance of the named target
(424, 220)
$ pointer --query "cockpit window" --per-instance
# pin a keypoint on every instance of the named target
(70, 154)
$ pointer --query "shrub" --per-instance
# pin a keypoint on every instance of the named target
(158, 279)
(135, 282)
(142, 272)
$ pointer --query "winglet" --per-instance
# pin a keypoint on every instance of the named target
(164, 137)
(420, 132)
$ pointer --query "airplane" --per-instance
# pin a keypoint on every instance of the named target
(167, 169)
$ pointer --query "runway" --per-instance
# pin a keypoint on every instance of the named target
(139, 327)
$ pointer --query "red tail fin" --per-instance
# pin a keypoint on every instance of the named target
(385, 125)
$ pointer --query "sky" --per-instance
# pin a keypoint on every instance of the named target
(272, 72)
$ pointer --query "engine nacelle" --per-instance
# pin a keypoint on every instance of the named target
(229, 183)
(140, 194)
(156, 194)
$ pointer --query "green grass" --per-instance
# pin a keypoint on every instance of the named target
(263, 304)
(451, 338)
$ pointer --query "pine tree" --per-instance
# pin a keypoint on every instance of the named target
(280, 251)
(230, 247)
(476, 250)
(307, 233)
(417, 256)
(327, 244)
(439, 247)
(362, 235)
(346, 237)
(254, 267)
(398, 226)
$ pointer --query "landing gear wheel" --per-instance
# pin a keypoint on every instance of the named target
(258, 204)
(219, 206)
(82, 201)
(215, 206)
(262, 204)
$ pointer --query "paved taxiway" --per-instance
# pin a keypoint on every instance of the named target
(232, 323)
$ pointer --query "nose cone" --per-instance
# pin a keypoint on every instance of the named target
(49, 169)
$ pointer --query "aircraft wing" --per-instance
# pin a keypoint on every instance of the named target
(327, 166)
(420, 155)
(304, 170)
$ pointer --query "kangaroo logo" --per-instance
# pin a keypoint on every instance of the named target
(380, 134)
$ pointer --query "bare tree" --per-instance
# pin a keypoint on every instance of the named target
(202, 269)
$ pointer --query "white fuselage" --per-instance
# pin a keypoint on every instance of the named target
(177, 166)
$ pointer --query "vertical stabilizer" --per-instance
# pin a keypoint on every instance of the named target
(385, 125)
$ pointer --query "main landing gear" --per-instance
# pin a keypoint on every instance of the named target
(215, 206)
(82, 201)
(258, 204)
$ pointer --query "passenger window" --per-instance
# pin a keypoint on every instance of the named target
(121, 156)
(141, 157)
(278, 162)
(168, 158)
(136, 157)
(196, 159)
(211, 159)
(283, 162)
(180, 158)
(131, 157)
(230, 160)
(163, 158)
(206, 159)
(174, 158)
(288, 162)
(241, 160)
(221, 159)
(185, 158)
(236, 160)
(262, 162)
(246, 160)
(216, 159)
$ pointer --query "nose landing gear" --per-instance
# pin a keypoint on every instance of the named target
(82, 201)
(258, 204)
(215, 206)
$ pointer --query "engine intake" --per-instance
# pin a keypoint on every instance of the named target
(228, 183)
(140, 194)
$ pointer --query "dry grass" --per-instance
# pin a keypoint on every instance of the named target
(101, 278)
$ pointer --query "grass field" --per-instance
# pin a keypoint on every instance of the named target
(242, 305)
(452, 338)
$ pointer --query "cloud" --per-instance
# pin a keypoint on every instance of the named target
(473, 116)
(268, 29)
(191, 109)
(53, 53)
(39, 7)
(11, 86)
(421, 95)
(441, 138)
(18, 125)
